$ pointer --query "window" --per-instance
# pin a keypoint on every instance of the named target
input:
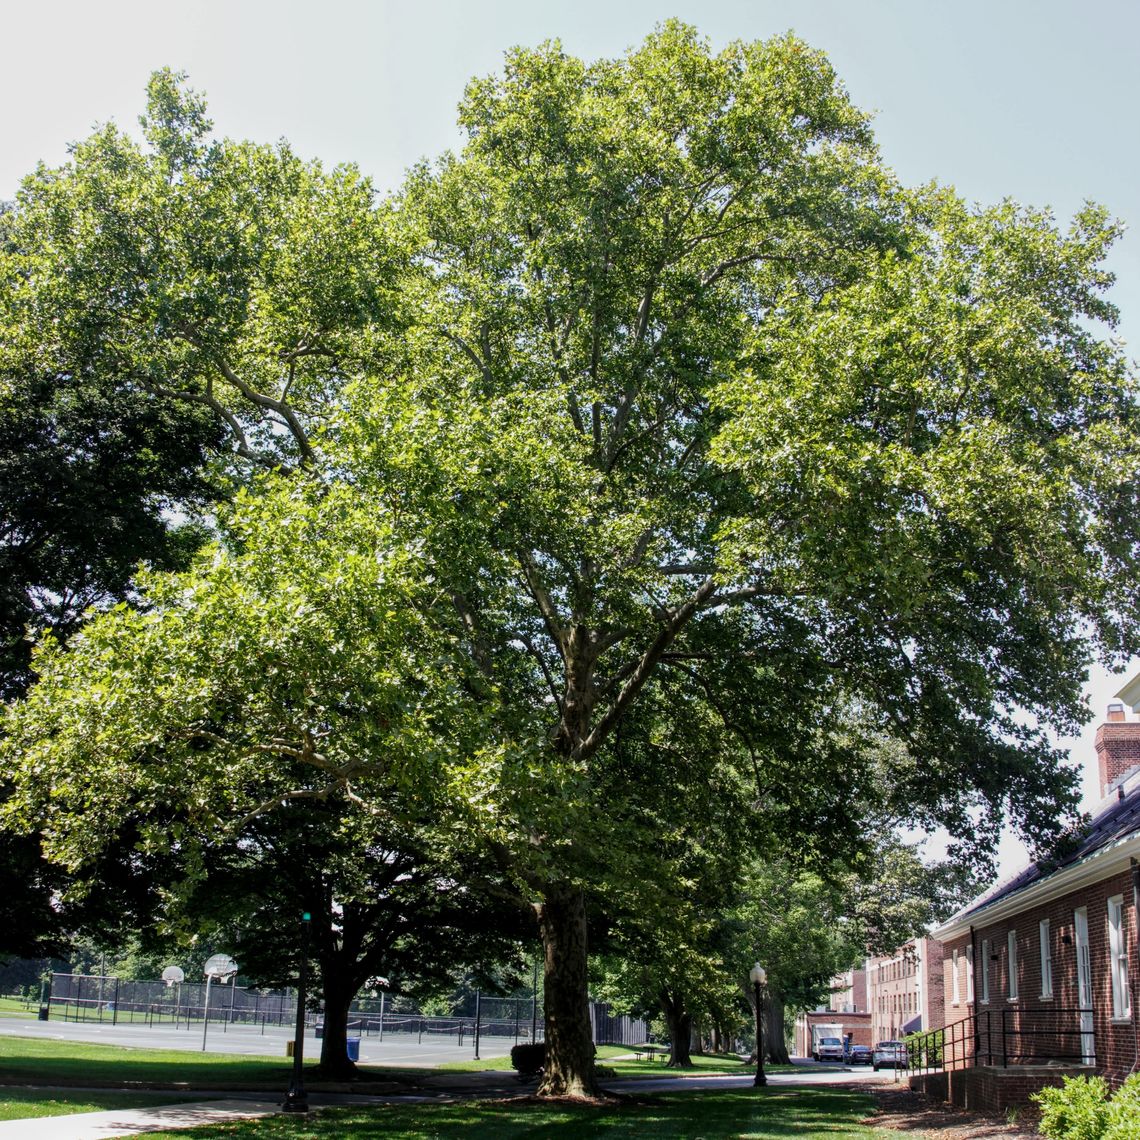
(955, 995)
(1046, 959)
(1011, 962)
(1118, 958)
(985, 969)
(970, 973)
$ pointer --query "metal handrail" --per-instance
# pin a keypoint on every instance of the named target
(1005, 1037)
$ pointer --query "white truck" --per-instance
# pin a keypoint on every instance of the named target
(827, 1042)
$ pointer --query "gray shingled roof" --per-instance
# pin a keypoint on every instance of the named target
(1119, 820)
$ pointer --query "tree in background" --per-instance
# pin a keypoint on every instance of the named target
(163, 305)
(170, 312)
(221, 276)
(386, 899)
(267, 735)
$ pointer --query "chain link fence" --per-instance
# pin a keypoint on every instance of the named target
(108, 999)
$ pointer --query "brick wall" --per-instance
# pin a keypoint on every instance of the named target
(934, 994)
(992, 1090)
(849, 991)
(1116, 1041)
(904, 985)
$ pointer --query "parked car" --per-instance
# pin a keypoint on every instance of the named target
(889, 1054)
(858, 1055)
(829, 1049)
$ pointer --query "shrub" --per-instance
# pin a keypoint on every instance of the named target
(1078, 1110)
(1124, 1111)
(529, 1059)
(924, 1049)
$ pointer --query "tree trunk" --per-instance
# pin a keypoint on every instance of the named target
(680, 1023)
(716, 1045)
(334, 1051)
(697, 1039)
(569, 1068)
(750, 999)
(775, 1045)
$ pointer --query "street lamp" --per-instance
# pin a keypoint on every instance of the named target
(758, 977)
(296, 1099)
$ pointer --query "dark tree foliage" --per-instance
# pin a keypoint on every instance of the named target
(383, 905)
(90, 469)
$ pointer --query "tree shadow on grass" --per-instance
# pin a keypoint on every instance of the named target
(757, 1114)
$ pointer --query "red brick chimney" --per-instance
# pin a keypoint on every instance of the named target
(1117, 748)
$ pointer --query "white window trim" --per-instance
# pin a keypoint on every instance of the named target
(985, 971)
(1011, 962)
(1118, 960)
(955, 994)
(970, 974)
(1046, 960)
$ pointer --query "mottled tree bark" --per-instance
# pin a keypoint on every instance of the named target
(775, 1046)
(569, 1067)
(680, 1023)
(697, 1038)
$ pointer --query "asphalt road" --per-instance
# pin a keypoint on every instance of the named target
(403, 1049)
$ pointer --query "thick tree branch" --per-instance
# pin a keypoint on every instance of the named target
(672, 568)
(545, 603)
(644, 670)
(260, 400)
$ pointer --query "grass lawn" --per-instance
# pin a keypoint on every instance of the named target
(487, 1064)
(22, 1104)
(28, 1060)
(721, 1063)
(745, 1114)
(17, 1007)
(627, 1066)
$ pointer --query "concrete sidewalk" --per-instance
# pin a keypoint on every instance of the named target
(133, 1121)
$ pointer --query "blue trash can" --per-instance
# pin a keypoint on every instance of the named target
(352, 1047)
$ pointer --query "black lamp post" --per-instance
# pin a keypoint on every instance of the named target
(45, 998)
(758, 977)
(296, 1099)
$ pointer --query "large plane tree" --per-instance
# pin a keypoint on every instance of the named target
(701, 398)
(701, 443)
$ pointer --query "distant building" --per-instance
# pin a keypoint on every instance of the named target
(854, 1027)
(849, 992)
(904, 989)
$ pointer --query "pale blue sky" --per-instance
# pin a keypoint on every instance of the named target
(1031, 99)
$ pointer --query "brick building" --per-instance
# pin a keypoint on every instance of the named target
(849, 992)
(853, 1025)
(904, 989)
(1040, 974)
(886, 997)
